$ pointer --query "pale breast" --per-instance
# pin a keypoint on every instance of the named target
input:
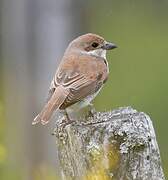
(83, 103)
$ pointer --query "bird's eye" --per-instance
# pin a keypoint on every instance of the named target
(95, 44)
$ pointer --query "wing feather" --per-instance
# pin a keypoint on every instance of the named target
(79, 86)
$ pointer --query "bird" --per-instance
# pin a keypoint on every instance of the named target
(79, 77)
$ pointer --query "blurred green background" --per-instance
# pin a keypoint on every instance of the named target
(34, 34)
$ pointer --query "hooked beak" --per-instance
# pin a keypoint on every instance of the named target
(109, 46)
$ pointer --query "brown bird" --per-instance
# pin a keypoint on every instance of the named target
(79, 77)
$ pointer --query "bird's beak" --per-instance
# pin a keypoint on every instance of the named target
(109, 46)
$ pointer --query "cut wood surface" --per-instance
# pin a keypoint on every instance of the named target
(117, 145)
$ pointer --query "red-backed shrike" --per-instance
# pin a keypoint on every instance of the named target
(79, 77)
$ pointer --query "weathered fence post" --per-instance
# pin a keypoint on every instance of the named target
(119, 145)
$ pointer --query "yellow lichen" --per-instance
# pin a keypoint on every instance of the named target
(104, 162)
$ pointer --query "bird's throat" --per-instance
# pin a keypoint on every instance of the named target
(98, 53)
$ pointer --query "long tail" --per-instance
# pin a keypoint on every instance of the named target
(54, 103)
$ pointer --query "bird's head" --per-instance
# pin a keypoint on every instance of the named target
(92, 44)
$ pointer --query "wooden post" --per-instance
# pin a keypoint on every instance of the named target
(117, 145)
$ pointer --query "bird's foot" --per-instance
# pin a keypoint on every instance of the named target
(66, 122)
(60, 131)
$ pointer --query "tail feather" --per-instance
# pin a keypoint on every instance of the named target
(54, 103)
(36, 120)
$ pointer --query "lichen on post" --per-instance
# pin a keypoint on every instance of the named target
(117, 145)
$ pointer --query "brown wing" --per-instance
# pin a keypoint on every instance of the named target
(81, 79)
(78, 85)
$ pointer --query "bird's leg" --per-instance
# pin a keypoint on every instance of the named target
(67, 121)
(68, 118)
(59, 130)
(92, 110)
